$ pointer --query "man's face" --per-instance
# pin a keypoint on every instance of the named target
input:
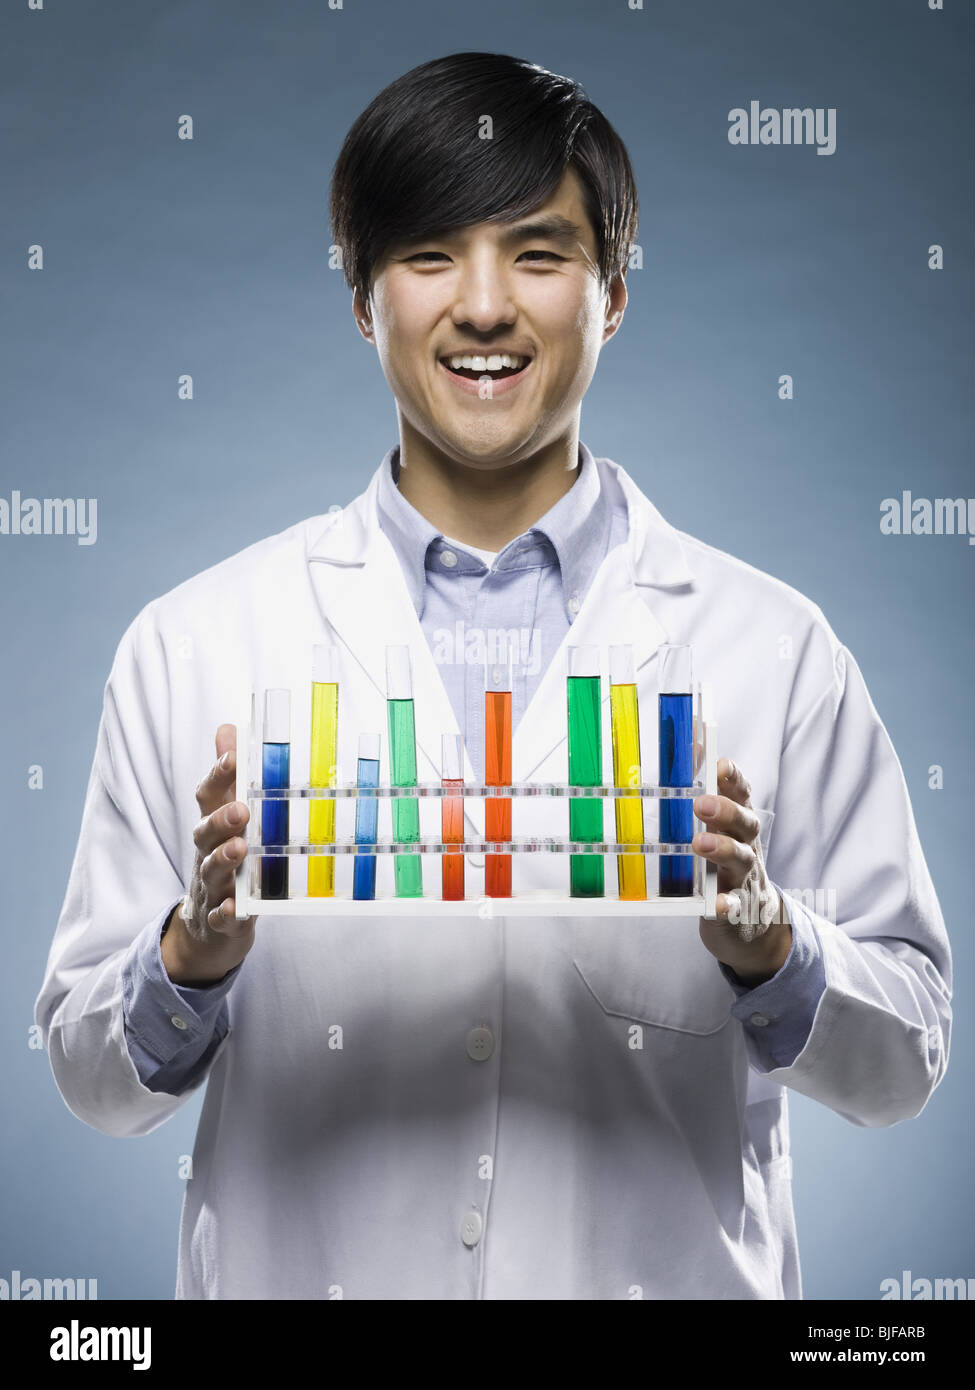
(529, 289)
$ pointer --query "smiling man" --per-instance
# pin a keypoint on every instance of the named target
(569, 1107)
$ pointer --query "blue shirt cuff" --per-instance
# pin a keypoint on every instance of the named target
(778, 1014)
(171, 1031)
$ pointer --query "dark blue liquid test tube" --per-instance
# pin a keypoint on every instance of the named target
(366, 817)
(276, 773)
(676, 726)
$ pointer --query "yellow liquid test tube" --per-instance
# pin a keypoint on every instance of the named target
(324, 748)
(624, 714)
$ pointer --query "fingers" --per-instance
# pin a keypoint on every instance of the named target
(215, 789)
(226, 739)
(735, 860)
(223, 919)
(210, 904)
(732, 782)
(727, 817)
(203, 923)
(217, 869)
(219, 837)
(222, 825)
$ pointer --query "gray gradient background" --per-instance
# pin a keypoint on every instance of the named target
(210, 257)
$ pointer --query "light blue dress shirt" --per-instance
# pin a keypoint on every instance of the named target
(529, 593)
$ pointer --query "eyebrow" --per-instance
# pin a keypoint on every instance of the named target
(553, 227)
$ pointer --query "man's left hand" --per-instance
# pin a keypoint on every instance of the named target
(757, 942)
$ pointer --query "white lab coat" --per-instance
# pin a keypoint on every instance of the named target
(579, 1164)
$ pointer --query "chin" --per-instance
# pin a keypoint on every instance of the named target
(483, 453)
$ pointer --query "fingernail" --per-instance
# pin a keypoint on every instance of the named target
(708, 843)
(224, 761)
(709, 806)
(233, 815)
(731, 768)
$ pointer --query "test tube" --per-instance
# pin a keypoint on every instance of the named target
(324, 744)
(253, 777)
(408, 870)
(366, 817)
(497, 769)
(276, 773)
(676, 768)
(631, 869)
(452, 815)
(585, 768)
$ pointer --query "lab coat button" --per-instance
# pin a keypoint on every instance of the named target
(448, 558)
(471, 1228)
(574, 605)
(178, 1021)
(759, 1020)
(480, 1044)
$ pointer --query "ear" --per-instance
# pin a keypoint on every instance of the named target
(362, 312)
(615, 304)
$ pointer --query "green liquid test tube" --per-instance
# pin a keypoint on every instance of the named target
(585, 769)
(407, 868)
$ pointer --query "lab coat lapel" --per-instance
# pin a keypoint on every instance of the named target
(363, 596)
(613, 612)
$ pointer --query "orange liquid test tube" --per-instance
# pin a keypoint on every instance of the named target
(497, 771)
(452, 816)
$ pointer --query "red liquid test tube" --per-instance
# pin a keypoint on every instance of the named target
(452, 816)
(497, 770)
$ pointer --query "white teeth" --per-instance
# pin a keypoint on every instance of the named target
(493, 363)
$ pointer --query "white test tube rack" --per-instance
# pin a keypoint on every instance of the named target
(532, 903)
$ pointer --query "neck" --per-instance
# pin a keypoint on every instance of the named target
(485, 506)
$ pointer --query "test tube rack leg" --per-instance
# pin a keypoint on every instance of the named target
(702, 903)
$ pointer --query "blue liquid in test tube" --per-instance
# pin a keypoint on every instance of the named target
(366, 817)
(676, 726)
(276, 772)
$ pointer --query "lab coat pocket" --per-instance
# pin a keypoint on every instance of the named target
(775, 1216)
(655, 970)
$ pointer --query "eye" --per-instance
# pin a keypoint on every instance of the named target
(425, 255)
(549, 254)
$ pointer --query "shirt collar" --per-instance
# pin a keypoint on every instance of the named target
(573, 533)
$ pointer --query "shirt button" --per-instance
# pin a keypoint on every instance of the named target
(759, 1020)
(471, 1228)
(480, 1044)
(448, 558)
(574, 605)
(178, 1021)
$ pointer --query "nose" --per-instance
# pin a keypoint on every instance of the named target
(483, 300)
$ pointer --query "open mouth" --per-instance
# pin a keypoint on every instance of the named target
(497, 366)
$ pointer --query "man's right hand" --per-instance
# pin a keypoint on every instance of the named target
(204, 940)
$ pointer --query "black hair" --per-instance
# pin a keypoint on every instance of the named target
(413, 165)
